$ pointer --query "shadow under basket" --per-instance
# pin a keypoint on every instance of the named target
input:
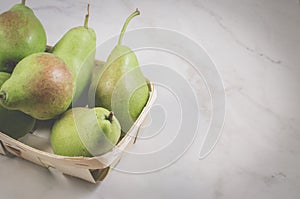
(91, 169)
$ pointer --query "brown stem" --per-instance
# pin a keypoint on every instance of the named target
(86, 21)
(23, 2)
(110, 117)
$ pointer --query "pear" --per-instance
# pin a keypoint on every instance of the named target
(21, 34)
(41, 85)
(85, 132)
(3, 77)
(14, 123)
(77, 49)
(120, 85)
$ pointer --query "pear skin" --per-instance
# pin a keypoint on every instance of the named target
(121, 86)
(85, 132)
(21, 34)
(9, 118)
(77, 48)
(3, 77)
(41, 85)
(15, 124)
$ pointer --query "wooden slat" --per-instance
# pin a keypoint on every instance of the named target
(2, 151)
(85, 168)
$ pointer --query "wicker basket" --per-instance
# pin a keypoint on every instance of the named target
(91, 169)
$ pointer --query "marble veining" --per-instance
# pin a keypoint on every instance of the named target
(243, 45)
(255, 46)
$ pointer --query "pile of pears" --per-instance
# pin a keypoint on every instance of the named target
(40, 83)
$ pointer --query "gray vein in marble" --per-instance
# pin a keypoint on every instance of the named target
(275, 178)
(268, 179)
(219, 19)
(284, 121)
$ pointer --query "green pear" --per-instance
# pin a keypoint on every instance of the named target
(3, 77)
(21, 34)
(41, 86)
(120, 86)
(77, 48)
(14, 123)
(85, 132)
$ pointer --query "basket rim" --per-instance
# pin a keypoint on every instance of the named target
(152, 96)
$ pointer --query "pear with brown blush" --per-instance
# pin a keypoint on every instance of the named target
(41, 85)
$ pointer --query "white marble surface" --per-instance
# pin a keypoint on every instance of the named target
(255, 45)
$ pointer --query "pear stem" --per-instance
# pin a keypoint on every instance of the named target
(86, 21)
(137, 12)
(23, 2)
(110, 117)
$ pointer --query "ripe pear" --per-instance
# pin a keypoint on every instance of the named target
(77, 48)
(85, 132)
(120, 85)
(14, 123)
(21, 34)
(41, 85)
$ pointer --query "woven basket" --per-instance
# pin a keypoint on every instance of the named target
(91, 169)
